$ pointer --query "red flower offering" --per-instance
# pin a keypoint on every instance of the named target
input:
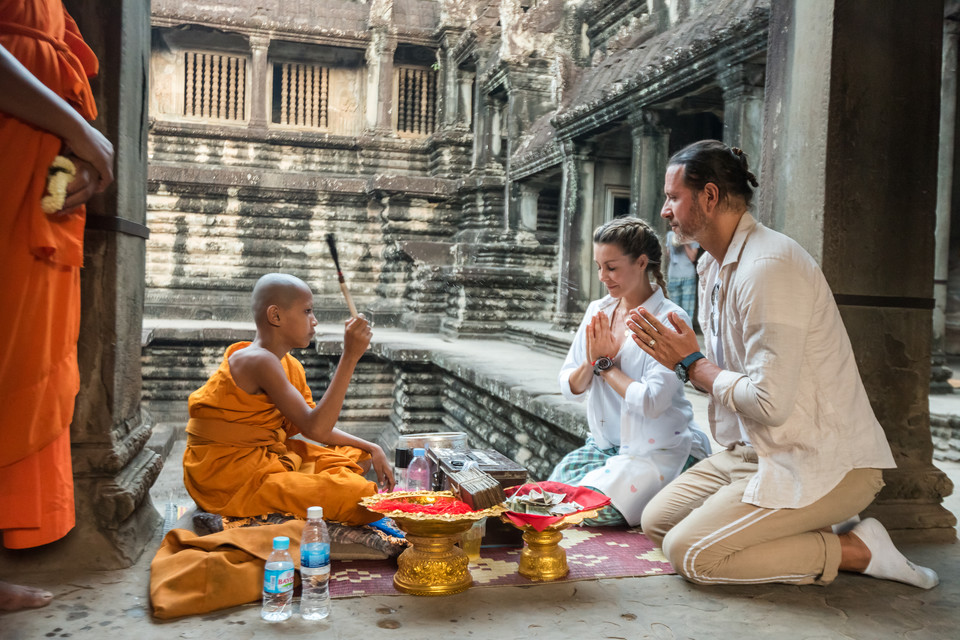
(441, 506)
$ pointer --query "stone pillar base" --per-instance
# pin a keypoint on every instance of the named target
(910, 505)
(88, 547)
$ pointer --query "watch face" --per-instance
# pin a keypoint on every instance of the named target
(602, 364)
(681, 372)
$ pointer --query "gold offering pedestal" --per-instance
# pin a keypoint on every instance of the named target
(433, 565)
(542, 557)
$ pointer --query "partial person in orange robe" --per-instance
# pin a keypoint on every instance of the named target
(240, 460)
(45, 103)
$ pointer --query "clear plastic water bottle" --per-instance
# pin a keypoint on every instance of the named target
(278, 583)
(418, 473)
(315, 567)
(401, 460)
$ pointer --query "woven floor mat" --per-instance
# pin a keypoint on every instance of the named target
(592, 552)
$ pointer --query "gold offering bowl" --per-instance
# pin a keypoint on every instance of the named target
(542, 557)
(433, 565)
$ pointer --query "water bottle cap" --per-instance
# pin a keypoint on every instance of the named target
(315, 513)
(281, 542)
(419, 452)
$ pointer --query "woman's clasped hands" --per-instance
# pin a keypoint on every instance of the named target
(600, 339)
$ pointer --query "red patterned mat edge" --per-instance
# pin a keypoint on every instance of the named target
(592, 553)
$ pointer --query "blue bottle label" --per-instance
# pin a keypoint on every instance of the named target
(314, 555)
(278, 580)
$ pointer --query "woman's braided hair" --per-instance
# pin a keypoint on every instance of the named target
(712, 161)
(635, 238)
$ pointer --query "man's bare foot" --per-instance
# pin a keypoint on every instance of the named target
(13, 597)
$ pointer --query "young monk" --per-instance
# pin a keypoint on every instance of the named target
(239, 459)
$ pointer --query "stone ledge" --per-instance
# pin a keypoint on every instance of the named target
(279, 183)
(532, 333)
(164, 435)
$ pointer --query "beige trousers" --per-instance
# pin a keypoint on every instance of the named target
(711, 536)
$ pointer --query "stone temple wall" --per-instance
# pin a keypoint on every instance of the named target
(494, 422)
(248, 172)
(209, 245)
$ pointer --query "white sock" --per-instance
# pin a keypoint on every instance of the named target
(846, 526)
(886, 562)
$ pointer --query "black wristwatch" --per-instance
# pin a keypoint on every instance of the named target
(683, 367)
(601, 365)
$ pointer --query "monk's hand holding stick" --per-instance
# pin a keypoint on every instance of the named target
(666, 345)
(356, 338)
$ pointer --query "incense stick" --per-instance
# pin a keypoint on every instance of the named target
(332, 243)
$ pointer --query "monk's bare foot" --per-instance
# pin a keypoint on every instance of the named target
(13, 597)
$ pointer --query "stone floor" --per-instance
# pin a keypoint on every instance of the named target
(115, 603)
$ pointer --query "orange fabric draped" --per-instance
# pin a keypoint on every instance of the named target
(40, 259)
(239, 460)
(195, 574)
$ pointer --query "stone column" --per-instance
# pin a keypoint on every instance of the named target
(380, 96)
(529, 196)
(649, 164)
(488, 137)
(494, 108)
(520, 212)
(465, 110)
(260, 81)
(862, 201)
(449, 95)
(939, 373)
(380, 52)
(112, 470)
(742, 86)
(576, 221)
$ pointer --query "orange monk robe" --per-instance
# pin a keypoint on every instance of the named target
(240, 461)
(40, 259)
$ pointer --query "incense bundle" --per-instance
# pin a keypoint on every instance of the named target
(332, 243)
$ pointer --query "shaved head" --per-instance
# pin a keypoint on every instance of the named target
(280, 289)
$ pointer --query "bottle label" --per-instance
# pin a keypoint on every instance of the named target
(278, 580)
(315, 555)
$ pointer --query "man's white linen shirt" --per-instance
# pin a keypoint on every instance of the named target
(790, 380)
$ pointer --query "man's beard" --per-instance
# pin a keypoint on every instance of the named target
(697, 223)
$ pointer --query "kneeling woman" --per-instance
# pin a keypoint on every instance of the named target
(642, 433)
